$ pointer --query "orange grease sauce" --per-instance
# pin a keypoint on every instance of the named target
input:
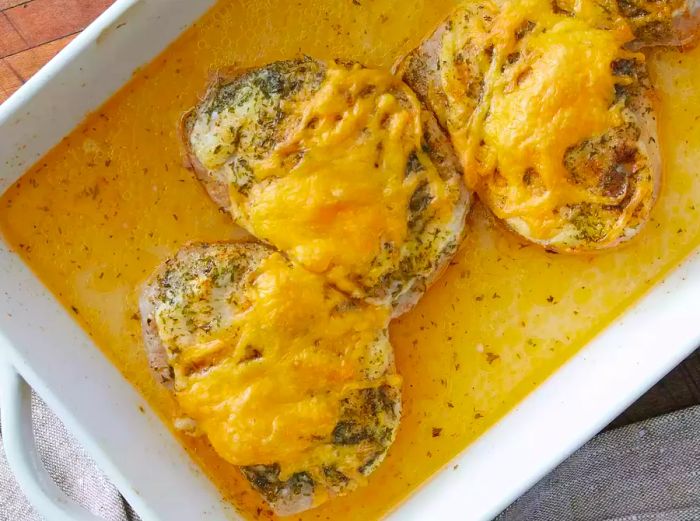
(96, 215)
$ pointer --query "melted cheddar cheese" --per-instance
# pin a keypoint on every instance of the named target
(329, 162)
(545, 86)
(263, 366)
(353, 125)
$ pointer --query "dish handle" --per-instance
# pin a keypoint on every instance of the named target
(22, 457)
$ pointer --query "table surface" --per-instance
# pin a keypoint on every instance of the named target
(32, 32)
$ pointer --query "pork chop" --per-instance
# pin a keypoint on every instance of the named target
(338, 166)
(289, 379)
(551, 111)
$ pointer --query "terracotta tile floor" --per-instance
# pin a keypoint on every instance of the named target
(32, 32)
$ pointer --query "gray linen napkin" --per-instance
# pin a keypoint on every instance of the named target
(645, 472)
(649, 471)
(69, 466)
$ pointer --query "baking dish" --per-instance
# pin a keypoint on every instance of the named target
(57, 358)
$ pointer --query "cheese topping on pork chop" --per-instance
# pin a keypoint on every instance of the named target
(284, 374)
(340, 167)
(551, 114)
(547, 91)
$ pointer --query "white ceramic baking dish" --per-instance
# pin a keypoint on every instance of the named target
(46, 347)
